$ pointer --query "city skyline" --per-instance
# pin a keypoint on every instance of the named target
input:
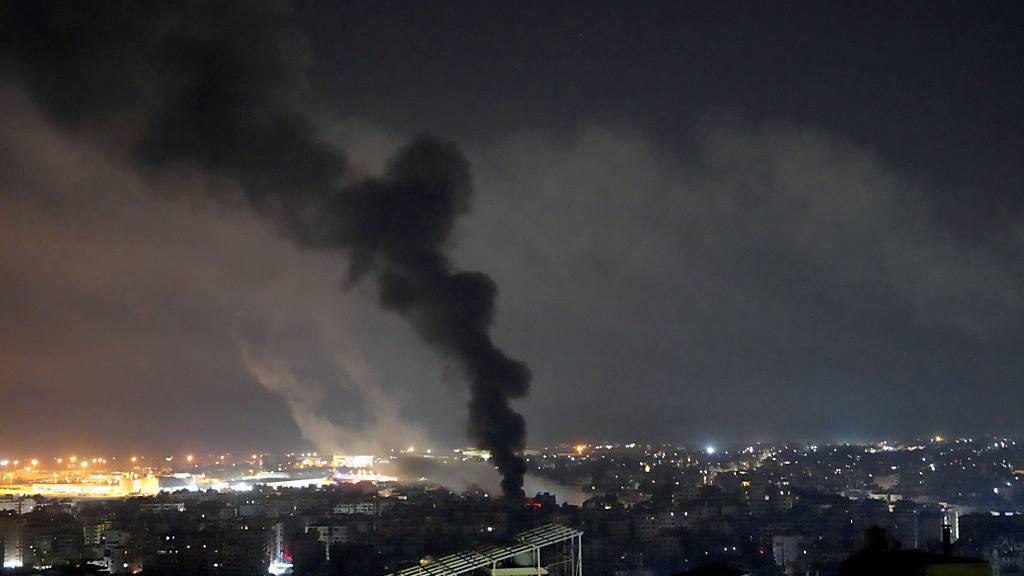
(768, 510)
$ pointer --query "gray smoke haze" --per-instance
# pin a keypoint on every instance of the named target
(305, 397)
(216, 87)
(463, 475)
(674, 273)
(771, 269)
(122, 293)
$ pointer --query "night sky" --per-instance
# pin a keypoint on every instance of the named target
(707, 222)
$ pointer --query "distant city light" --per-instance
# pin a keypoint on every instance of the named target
(709, 449)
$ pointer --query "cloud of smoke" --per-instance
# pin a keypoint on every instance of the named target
(218, 87)
(302, 399)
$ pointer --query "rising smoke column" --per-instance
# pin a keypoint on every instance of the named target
(218, 87)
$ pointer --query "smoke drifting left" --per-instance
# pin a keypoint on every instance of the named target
(217, 86)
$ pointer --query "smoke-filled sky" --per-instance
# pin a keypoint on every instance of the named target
(706, 221)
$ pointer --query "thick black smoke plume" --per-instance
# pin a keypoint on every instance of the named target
(218, 86)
